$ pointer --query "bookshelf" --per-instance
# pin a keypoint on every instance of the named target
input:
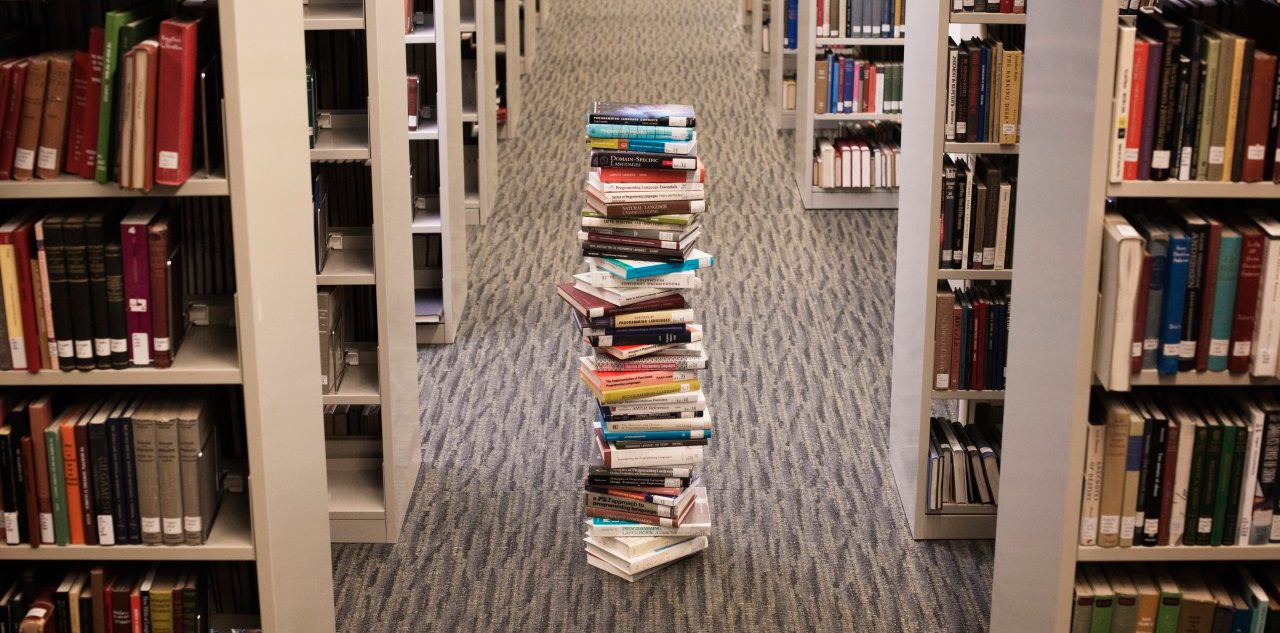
(479, 69)
(377, 257)
(506, 40)
(914, 398)
(782, 66)
(760, 31)
(807, 123)
(279, 522)
(443, 215)
(744, 13)
(1072, 76)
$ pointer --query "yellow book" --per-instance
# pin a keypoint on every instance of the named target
(1233, 107)
(656, 317)
(606, 143)
(610, 396)
(12, 305)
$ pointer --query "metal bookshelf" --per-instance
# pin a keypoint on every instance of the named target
(807, 123)
(923, 146)
(279, 522)
(381, 372)
(1064, 172)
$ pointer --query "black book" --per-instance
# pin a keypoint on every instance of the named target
(629, 444)
(1197, 228)
(962, 93)
(1153, 25)
(75, 250)
(1179, 12)
(958, 254)
(15, 484)
(653, 481)
(1148, 533)
(1181, 112)
(62, 604)
(675, 415)
(667, 114)
(124, 476)
(642, 160)
(9, 491)
(59, 298)
(1009, 227)
(647, 338)
(1229, 532)
(1208, 481)
(99, 228)
(1242, 114)
(945, 259)
(100, 462)
(117, 324)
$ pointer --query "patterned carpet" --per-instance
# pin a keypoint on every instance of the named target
(809, 532)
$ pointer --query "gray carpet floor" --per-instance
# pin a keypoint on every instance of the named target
(809, 533)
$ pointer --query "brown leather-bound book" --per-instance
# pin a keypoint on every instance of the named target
(821, 84)
(161, 250)
(27, 448)
(24, 155)
(57, 102)
(41, 414)
(942, 336)
(1258, 121)
(40, 617)
(97, 588)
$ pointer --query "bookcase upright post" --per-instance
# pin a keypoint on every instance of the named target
(758, 33)
(487, 103)
(781, 61)
(508, 63)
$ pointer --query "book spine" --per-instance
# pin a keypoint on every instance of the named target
(79, 501)
(44, 302)
(117, 324)
(1253, 248)
(641, 160)
(159, 247)
(79, 295)
(31, 338)
(1222, 484)
(57, 486)
(619, 515)
(95, 259)
(1137, 105)
(92, 109)
(148, 479)
(1140, 314)
(169, 479)
(1258, 118)
(1202, 282)
(622, 504)
(1173, 304)
(49, 152)
(133, 245)
(1224, 302)
(12, 111)
(75, 117)
(33, 94)
(103, 496)
(12, 489)
(1152, 106)
(176, 96)
(1267, 491)
(124, 517)
(1167, 478)
(37, 527)
(59, 300)
(104, 167)
(1162, 149)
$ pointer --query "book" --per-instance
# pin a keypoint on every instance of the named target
(636, 114)
(31, 118)
(137, 279)
(53, 129)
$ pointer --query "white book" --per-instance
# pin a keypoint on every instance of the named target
(1261, 513)
(1005, 193)
(1091, 499)
(688, 421)
(603, 565)
(634, 546)
(846, 166)
(1266, 334)
(1254, 420)
(602, 279)
(1121, 100)
(622, 296)
(865, 179)
(879, 107)
(637, 564)
(611, 197)
(696, 523)
(1187, 425)
(608, 363)
(593, 179)
(838, 28)
(654, 404)
(1122, 249)
(827, 158)
(680, 244)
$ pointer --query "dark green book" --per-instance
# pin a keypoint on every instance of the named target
(1209, 482)
(112, 51)
(1222, 482)
(57, 483)
(1231, 529)
(1191, 530)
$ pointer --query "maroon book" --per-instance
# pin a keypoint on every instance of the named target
(12, 112)
(1166, 482)
(1253, 246)
(26, 446)
(1140, 314)
(595, 307)
(1208, 289)
(957, 332)
(1258, 117)
(88, 516)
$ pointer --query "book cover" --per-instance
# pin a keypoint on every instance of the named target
(137, 278)
(175, 123)
(33, 97)
(641, 114)
(57, 104)
(105, 168)
(14, 75)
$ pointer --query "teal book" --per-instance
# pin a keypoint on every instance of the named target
(654, 132)
(632, 269)
(1224, 299)
(57, 483)
(104, 169)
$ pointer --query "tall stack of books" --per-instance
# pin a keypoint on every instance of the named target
(645, 503)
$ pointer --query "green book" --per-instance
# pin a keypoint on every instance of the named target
(57, 483)
(1210, 47)
(1224, 299)
(1191, 524)
(1209, 481)
(1222, 484)
(1170, 600)
(1235, 482)
(1218, 143)
(104, 169)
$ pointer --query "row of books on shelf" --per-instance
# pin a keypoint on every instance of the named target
(646, 506)
(1164, 468)
(1186, 289)
(125, 468)
(106, 288)
(989, 6)
(352, 420)
(848, 84)
(1175, 598)
(122, 111)
(1195, 93)
(979, 206)
(861, 18)
(861, 156)
(970, 337)
(984, 88)
(94, 598)
(964, 460)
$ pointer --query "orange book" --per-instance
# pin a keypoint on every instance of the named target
(71, 468)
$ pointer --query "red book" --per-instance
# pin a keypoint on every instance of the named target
(1006, 6)
(1166, 482)
(27, 447)
(1140, 314)
(84, 465)
(93, 94)
(822, 8)
(1258, 121)
(40, 616)
(1253, 245)
(175, 127)
(75, 119)
(22, 248)
(135, 606)
(871, 88)
(1137, 93)
(630, 174)
(1208, 289)
(594, 307)
(12, 114)
(160, 250)
(6, 81)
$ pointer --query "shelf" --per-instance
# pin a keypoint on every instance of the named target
(427, 131)
(469, 114)
(347, 267)
(472, 200)
(355, 489)
(975, 275)
(359, 386)
(427, 220)
(970, 17)
(847, 199)
(861, 41)
(1193, 553)
(332, 17)
(229, 539)
(980, 148)
(858, 116)
(347, 140)
(421, 34)
(969, 509)
(990, 394)
(68, 186)
(1192, 189)
(500, 48)
(207, 356)
(428, 305)
(1152, 378)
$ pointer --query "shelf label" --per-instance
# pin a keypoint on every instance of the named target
(1217, 155)
(1218, 346)
(106, 530)
(1160, 159)
(1241, 348)
(167, 160)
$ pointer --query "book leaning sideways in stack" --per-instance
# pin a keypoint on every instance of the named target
(645, 503)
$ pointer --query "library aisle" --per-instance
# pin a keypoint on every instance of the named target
(809, 532)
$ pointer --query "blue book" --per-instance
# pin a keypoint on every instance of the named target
(791, 35)
(1158, 248)
(632, 269)
(652, 132)
(1175, 295)
(886, 15)
(694, 434)
(984, 97)
(847, 88)
(1224, 300)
